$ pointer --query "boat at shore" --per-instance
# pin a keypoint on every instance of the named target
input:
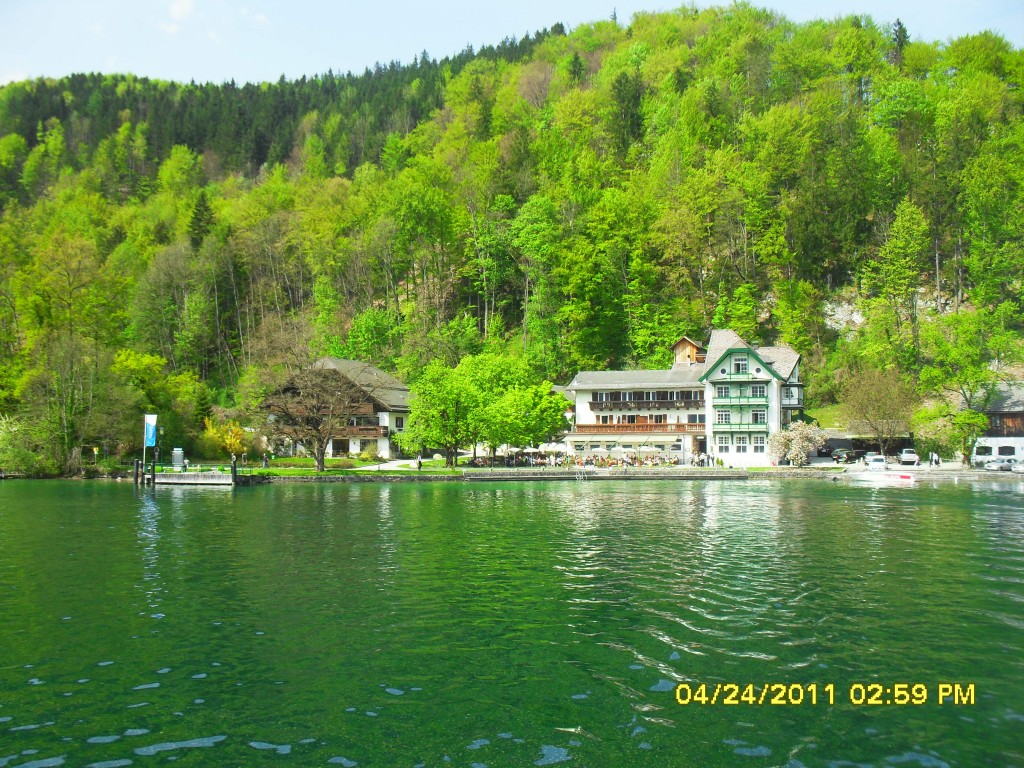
(877, 471)
(885, 478)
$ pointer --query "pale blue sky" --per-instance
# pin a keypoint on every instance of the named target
(258, 40)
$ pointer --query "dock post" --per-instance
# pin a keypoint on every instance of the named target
(234, 471)
(135, 473)
(152, 474)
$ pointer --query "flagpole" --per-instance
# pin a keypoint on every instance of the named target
(144, 441)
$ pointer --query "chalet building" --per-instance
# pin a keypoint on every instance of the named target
(723, 400)
(382, 412)
(1005, 434)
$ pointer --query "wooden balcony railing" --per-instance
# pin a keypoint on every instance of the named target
(643, 405)
(620, 429)
(362, 432)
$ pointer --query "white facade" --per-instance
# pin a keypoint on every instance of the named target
(1005, 435)
(744, 406)
(723, 401)
(631, 420)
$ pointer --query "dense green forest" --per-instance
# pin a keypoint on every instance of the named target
(577, 199)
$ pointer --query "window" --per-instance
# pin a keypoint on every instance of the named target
(983, 450)
(723, 443)
(630, 419)
(606, 420)
(722, 417)
(741, 443)
(691, 418)
(760, 441)
(739, 365)
(759, 417)
(759, 390)
(788, 393)
(1007, 450)
(721, 391)
(399, 422)
(659, 418)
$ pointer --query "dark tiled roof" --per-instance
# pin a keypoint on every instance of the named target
(722, 340)
(782, 359)
(381, 386)
(676, 377)
(1007, 398)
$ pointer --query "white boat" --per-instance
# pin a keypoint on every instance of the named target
(885, 478)
(877, 471)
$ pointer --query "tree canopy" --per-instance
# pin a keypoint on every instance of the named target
(576, 199)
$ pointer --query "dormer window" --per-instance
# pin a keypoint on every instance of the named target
(739, 365)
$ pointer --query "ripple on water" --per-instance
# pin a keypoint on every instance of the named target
(110, 764)
(281, 749)
(917, 758)
(167, 746)
(551, 755)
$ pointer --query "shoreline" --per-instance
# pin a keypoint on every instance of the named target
(812, 472)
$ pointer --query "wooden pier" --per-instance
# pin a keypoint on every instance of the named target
(208, 477)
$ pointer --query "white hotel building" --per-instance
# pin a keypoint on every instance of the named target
(723, 400)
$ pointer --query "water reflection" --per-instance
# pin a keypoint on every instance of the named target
(149, 540)
(507, 624)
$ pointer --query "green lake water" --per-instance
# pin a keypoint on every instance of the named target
(451, 624)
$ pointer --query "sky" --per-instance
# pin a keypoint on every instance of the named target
(261, 40)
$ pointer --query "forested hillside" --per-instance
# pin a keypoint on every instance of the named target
(578, 199)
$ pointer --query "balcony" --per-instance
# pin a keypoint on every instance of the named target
(361, 432)
(623, 429)
(748, 376)
(796, 401)
(740, 401)
(740, 427)
(644, 405)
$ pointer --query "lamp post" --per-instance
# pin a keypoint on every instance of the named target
(156, 448)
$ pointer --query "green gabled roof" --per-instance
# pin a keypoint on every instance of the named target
(749, 351)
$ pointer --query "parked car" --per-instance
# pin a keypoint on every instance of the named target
(1000, 465)
(875, 463)
(1018, 468)
(909, 456)
(844, 456)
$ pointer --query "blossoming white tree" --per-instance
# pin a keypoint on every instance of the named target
(795, 443)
